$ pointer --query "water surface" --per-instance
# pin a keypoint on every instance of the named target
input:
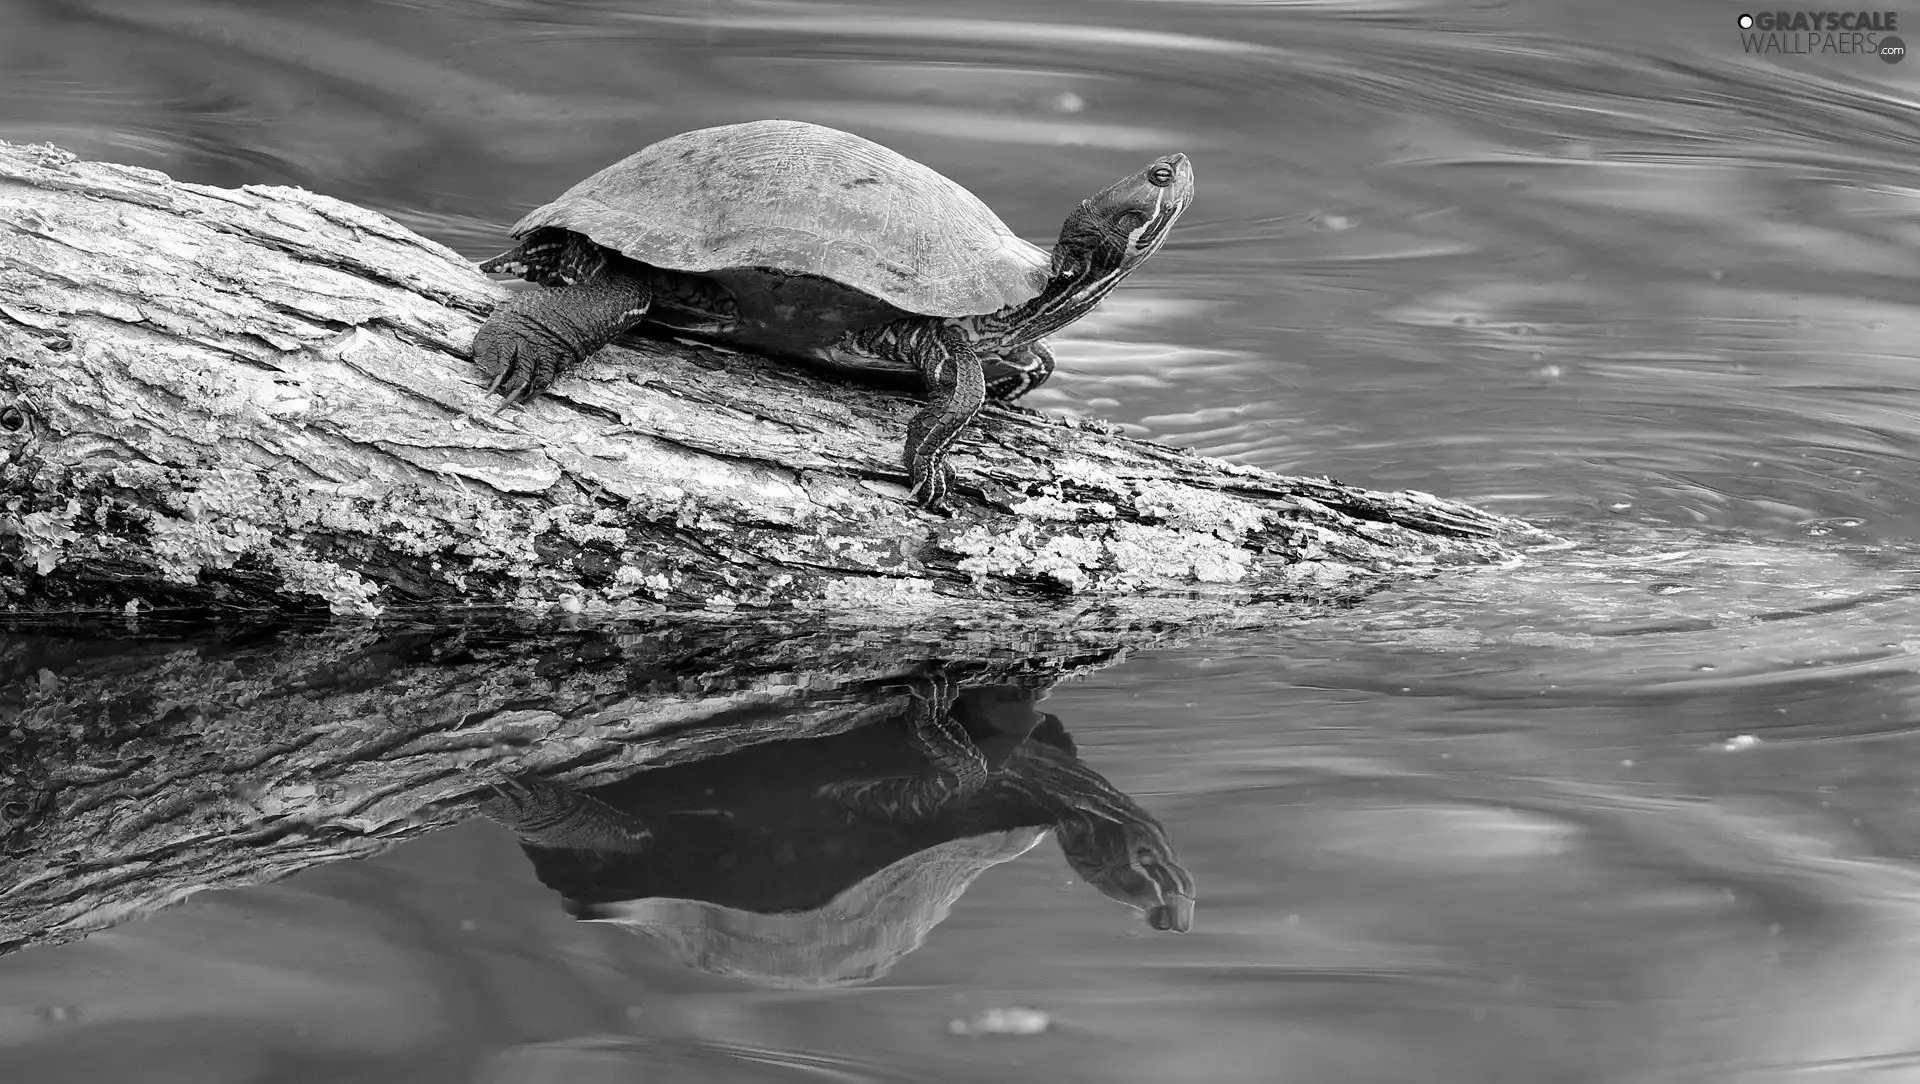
(1639, 811)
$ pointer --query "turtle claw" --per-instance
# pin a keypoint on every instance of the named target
(514, 396)
(934, 504)
(930, 491)
(497, 353)
(937, 506)
(510, 399)
(520, 377)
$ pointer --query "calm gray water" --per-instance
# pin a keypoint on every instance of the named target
(1642, 810)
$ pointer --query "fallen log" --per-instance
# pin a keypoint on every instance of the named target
(262, 397)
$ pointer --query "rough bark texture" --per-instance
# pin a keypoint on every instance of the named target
(263, 397)
(140, 768)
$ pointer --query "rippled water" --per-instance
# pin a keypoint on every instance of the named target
(1637, 811)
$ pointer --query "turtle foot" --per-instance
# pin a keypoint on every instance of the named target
(929, 490)
(520, 354)
(534, 337)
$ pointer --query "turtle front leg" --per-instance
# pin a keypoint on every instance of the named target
(960, 767)
(938, 736)
(1019, 372)
(534, 337)
(956, 390)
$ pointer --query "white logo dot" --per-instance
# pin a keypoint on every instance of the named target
(1746, 22)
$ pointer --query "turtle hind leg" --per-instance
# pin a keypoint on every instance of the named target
(535, 336)
(550, 257)
(514, 261)
(939, 737)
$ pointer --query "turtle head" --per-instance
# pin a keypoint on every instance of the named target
(1131, 861)
(1104, 239)
(1123, 225)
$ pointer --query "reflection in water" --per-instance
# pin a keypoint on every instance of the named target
(1492, 830)
(143, 768)
(822, 862)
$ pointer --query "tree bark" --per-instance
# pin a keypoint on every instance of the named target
(262, 397)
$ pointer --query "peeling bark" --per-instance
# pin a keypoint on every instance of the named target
(262, 397)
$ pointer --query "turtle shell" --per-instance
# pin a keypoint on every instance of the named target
(804, 199)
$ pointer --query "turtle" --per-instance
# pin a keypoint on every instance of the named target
(812, 244)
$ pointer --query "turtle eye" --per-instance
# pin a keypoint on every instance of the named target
(1130, 220)
(1160, 176)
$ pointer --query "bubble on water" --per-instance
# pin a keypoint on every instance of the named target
(1716, 274)
(1012, 1020)
(1620, 506)
(1337, 223)
(1736, 744)
(1068, 102)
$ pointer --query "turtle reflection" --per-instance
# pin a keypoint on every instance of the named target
(820, 862)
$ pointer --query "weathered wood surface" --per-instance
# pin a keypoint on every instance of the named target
(135, 771)
(263, 397)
